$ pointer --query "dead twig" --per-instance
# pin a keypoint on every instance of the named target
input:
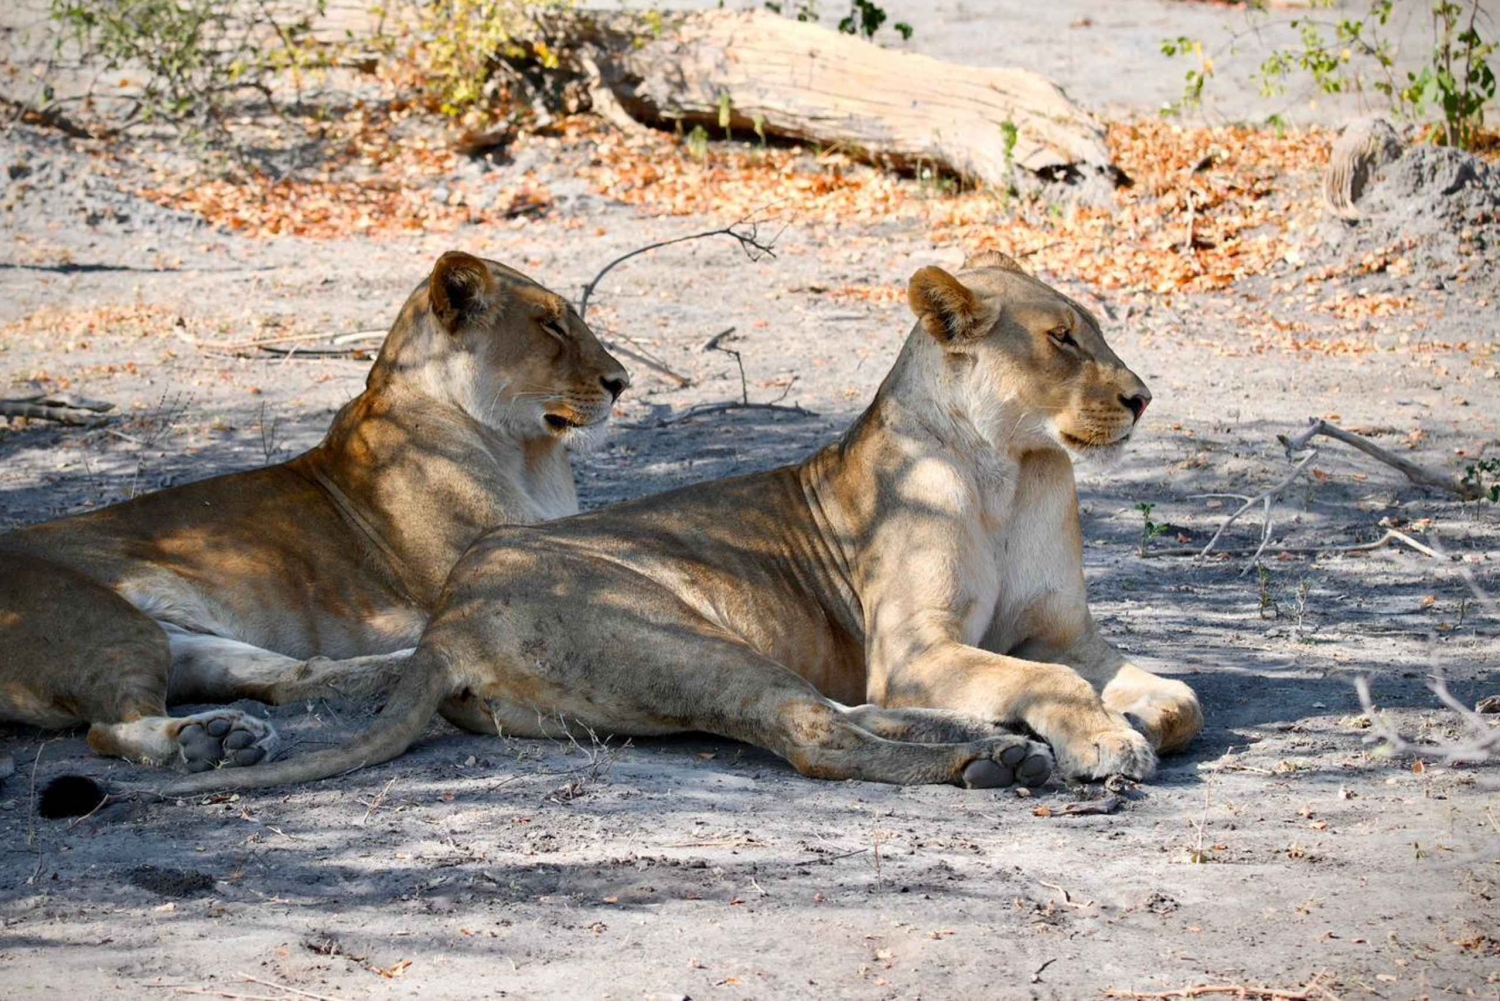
(284, 987)
(252, 343)
(1390, 536)
(745, 231)
(1418, 475)
(716, 343)
(636, 356)
(1301, 452)
(375, 803)
(1267, 498)
(1067, 899)
(1480, 743)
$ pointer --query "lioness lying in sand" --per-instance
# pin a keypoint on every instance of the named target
(244, 585)
(929, 563)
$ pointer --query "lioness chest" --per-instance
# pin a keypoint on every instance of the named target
(1032, 582)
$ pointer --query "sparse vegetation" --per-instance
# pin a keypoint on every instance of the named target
(1484, 477)
(197, 57)
(1150, 529)
(1351, 52)
(865, 18)
(460, 44)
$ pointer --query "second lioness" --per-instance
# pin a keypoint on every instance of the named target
(313, 577)
(929, 563)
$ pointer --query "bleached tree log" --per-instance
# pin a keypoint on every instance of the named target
(769, 74)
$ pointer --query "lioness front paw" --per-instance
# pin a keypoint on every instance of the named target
(1117, 751)
(225, 738)
(1007, 761)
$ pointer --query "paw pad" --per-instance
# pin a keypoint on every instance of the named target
(229, 739)
(1026, 763)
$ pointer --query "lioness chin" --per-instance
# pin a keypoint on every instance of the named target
(244, 586)
(928, 564)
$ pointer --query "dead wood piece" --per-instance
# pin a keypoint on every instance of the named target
(718, 408)
(756, 72)
(745, 231)
(1092, 807)
(1390, 536)
(64, 408)
(1418, 475)
(1312, 992)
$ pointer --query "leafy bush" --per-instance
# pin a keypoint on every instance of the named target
(196, 55)
(1353, 53)
(864, 18)
(460, 42)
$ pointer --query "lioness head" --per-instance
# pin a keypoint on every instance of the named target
(508, 352)
(1022, 363)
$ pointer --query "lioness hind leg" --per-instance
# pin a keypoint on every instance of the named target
(218, 738)
(73, 651)
(642, 661)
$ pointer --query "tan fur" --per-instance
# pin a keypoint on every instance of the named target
(928, 564)
(316, 576)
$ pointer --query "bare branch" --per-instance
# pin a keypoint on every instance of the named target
(1419, 475)
(745, 231)
(65, 408)
(1480, 743)
(1300, 451)
(1390, 536)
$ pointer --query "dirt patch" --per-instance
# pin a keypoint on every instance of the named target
(1436, 210)
(174, 883)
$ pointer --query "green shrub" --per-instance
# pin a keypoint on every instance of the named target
(1353, 53)
(197, 56)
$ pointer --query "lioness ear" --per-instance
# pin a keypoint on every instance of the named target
(461, 288)
(992, 259)
(948, 310)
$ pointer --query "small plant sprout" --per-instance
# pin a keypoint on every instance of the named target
(1269, 609)
(697, 143)
(1150, 529)
(1484, 477)
(726, 115)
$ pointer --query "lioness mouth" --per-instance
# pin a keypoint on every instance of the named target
(558, 422)
(1085, 446)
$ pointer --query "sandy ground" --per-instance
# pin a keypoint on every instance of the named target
(1278, 851)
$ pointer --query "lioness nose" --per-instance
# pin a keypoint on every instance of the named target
(614, 385)
(1137, 404)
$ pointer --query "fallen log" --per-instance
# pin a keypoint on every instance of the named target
(756, 72)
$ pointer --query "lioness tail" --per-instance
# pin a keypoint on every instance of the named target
(425, 682)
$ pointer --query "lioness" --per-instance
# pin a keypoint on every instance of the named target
(243, 586)
(928, 563)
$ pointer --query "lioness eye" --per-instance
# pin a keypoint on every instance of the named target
(554, 326)
(1063, 337)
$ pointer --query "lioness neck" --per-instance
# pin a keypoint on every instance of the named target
(911, 463)
(427, 479)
